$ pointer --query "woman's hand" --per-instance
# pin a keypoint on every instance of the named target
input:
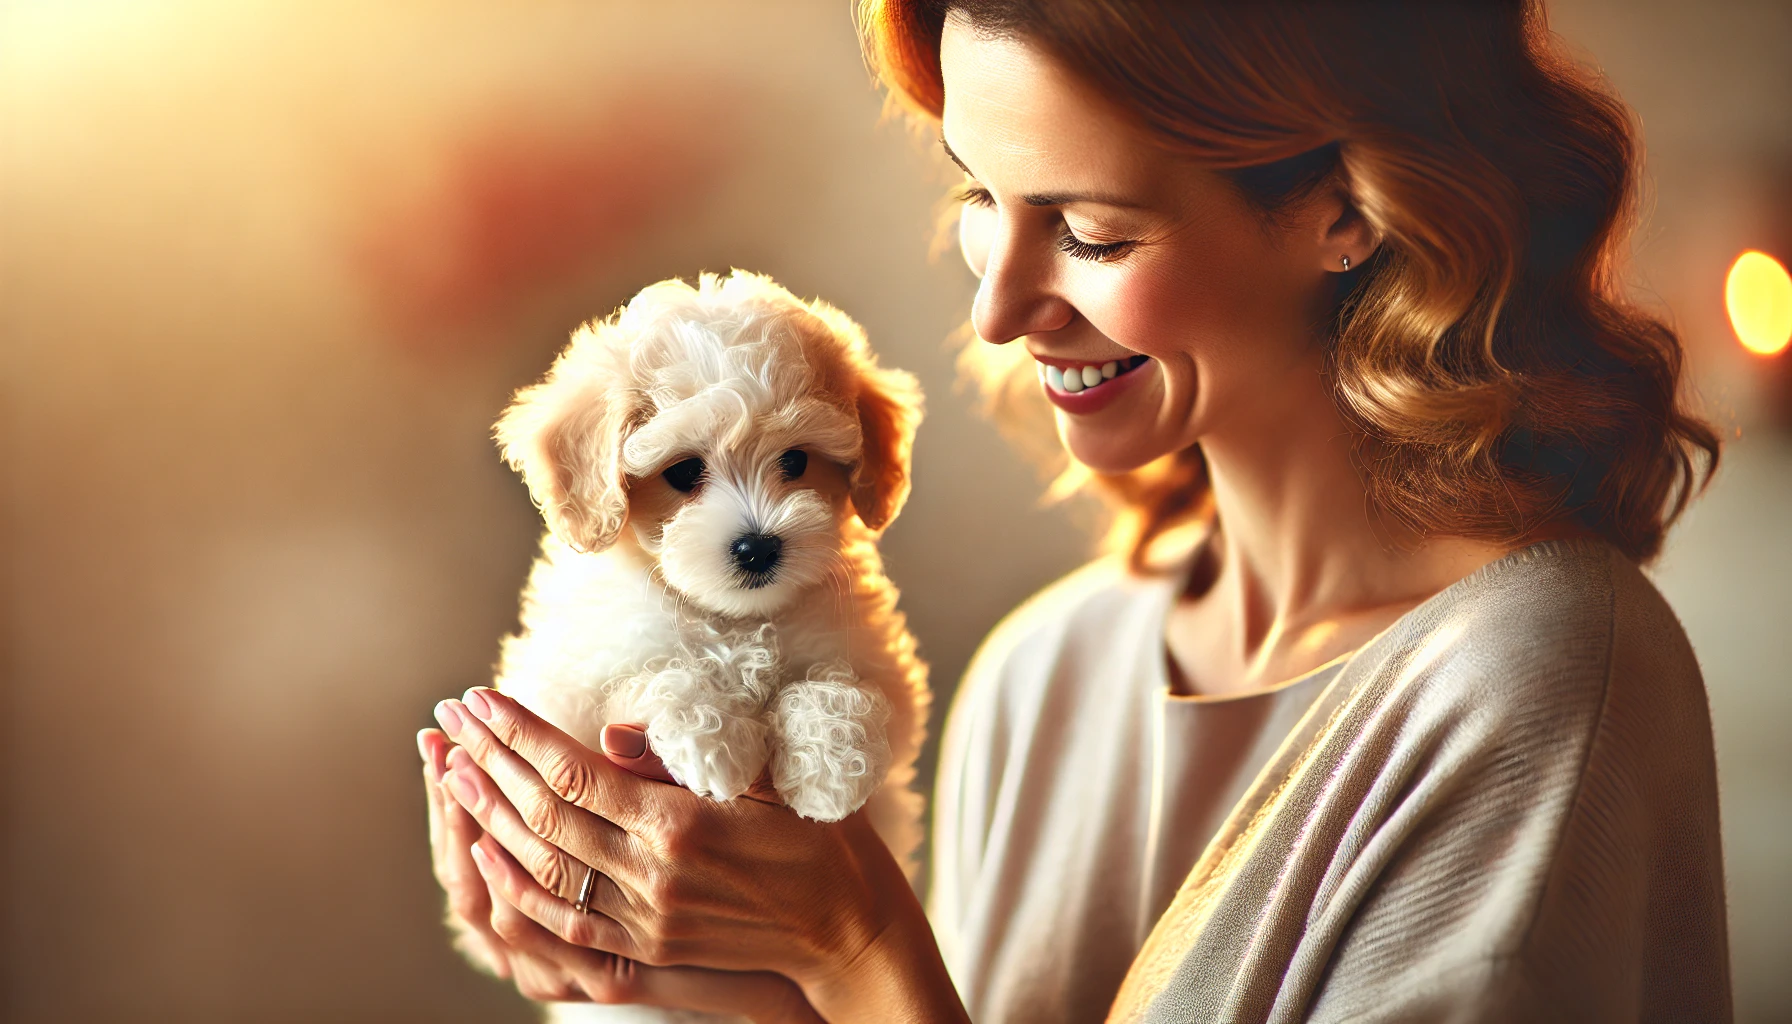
(498, 938)
(740, 885)
(452, 831)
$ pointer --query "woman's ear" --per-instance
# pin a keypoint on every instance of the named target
(1346, 238)
(564, 435)
(889, 410)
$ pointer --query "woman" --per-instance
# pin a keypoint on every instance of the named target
(1403, 734)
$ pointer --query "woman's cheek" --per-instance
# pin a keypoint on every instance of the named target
(1151, 312)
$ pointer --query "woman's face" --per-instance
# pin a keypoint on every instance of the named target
(1096, 247)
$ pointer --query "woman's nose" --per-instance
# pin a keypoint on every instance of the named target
(1014, 297)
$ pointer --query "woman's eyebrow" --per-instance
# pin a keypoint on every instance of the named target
(947, 146)
(1051, 198)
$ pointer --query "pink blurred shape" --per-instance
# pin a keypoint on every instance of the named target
(525, 208)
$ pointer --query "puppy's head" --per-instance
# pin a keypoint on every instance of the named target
(732, 427)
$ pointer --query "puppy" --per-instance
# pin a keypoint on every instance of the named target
(714, 464)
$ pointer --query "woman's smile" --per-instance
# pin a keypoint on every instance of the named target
(1081, 387)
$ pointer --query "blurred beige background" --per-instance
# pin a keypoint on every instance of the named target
(269, 269)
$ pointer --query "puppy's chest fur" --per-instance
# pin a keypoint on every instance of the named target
(805, 695)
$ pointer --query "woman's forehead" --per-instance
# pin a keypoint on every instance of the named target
(1018, 121)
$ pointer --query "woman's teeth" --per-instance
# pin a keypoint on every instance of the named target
(1073, 379)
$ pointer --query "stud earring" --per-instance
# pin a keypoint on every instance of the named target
(1346, 260)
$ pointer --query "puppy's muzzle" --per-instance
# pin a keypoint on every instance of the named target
(756, 557)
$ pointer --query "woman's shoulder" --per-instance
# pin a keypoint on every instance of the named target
(1538, 737)
(1562, 641)
(1548, 614)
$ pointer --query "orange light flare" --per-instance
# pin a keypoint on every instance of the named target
(1758, 294)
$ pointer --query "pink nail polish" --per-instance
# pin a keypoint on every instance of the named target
(624, 741)
(476, 703)
(463, 787)
(448, 714)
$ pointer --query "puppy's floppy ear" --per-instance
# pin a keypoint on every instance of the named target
(889, 410)
(565, 434)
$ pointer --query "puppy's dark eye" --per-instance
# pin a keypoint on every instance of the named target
(683, 476)
(793, 462)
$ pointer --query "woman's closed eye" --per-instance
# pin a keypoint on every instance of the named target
(1097, 252)
(973, 194)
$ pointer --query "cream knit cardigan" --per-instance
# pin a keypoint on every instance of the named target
(1504, 808)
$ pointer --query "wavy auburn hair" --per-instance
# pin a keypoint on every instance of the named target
(1496, 377)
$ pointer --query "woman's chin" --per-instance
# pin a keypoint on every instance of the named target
(1107, 452)
(1126, 434)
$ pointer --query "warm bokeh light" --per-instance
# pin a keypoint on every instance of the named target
(1758, 294)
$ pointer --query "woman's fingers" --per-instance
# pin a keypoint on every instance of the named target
(451, 833)
(511, 884)
(607, 978)
(577, 774)
(541, 974)
(427, 742)
(626, 747)
(559, 871)
(585, 835)
(469, 901)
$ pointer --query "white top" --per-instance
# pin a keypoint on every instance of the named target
(1502, 808)
(1075, 793)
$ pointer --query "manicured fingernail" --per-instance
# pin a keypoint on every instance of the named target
(463, 787)
(448, 713)
(476, 703)
(481, 858)
(423, 746)
(430, 767)
(624, 741)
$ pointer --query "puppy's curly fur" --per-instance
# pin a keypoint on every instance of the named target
(735, 604)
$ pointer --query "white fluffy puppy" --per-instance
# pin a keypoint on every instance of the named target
(714, 465)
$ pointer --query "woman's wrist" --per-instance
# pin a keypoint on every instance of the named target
(897, 976)
(883, 963)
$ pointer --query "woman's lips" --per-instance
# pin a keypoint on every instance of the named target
(1083, 388)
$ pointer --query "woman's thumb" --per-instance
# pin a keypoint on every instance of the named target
(626, 746)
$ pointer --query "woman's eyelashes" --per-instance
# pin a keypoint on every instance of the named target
(1096, 252)
(972, 194)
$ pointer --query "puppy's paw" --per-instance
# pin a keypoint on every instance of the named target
(712, 751)
(703, 719)
(829, 748)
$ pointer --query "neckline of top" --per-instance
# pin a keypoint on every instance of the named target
(1176, 581)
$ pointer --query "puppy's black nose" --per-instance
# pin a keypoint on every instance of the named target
(756, 553)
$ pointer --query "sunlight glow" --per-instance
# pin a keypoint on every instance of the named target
(1758, 294)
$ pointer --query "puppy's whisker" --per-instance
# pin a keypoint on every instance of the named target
(673, 603)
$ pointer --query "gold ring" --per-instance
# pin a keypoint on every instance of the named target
(583, 903)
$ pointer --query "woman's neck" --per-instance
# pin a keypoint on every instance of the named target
(1298, 571)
